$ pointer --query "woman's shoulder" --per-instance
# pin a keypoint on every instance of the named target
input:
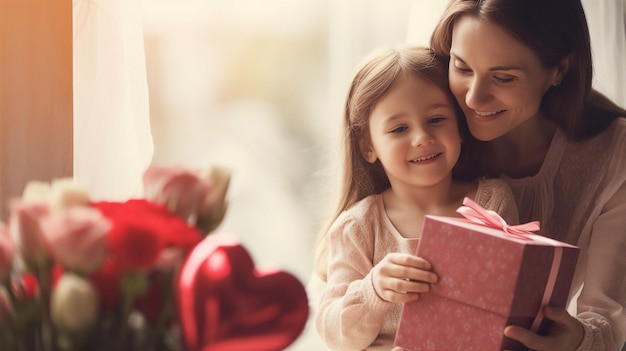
(492, 187)
(617, 131)
(614, 134)
(606, 146)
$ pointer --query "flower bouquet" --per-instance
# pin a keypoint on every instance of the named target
(142, 274)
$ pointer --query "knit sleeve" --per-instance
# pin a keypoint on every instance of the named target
(496, 195)
(350, 313)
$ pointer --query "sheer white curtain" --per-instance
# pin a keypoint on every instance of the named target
(112, 137)
(607, 26)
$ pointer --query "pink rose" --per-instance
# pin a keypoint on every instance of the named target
(194, 195)
(179, 189)
(77, 237)
(25, 228)
(7, 250)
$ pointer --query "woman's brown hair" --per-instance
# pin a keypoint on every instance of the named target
(554, 30)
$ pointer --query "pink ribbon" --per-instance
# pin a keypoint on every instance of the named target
(476, 214)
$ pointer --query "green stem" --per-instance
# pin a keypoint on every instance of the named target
(48, 337)
(133, 285)
(127, 305)
(166, 313)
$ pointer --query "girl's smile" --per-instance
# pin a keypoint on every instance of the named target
(425, 159)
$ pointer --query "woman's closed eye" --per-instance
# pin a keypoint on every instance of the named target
(504, 79)
(499, 79)
(462, 70)
(460, 67)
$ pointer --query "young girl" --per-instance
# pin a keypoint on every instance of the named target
(402, 138)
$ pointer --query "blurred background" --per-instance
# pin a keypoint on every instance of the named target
(257, 87)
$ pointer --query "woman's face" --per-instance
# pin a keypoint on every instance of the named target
(498, 81)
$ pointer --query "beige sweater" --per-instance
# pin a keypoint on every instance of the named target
(579, 196)
(350, 315)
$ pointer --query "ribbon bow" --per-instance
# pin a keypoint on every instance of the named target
(476, 214)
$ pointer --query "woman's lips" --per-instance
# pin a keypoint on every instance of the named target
(486, 115)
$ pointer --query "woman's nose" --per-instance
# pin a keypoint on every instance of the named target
(478, 93)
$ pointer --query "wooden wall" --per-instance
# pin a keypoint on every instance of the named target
(36, 133)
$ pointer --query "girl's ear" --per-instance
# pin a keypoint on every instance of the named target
(367, 151)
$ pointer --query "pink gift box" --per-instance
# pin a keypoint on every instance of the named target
(488, 279)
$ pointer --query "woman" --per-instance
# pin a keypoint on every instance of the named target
(522, 72)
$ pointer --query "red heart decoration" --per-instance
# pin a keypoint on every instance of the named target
(226, 304)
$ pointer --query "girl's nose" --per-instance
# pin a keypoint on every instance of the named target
(421, 137)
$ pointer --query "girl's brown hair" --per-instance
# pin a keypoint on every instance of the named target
(369, 84)
(554, 30)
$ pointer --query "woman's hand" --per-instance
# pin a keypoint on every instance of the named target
(565, 333)
(400, 277)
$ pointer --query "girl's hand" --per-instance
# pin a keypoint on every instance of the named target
(400, 277)
(565, 334)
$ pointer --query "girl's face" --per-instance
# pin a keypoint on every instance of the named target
(414, 133)
(498, 81)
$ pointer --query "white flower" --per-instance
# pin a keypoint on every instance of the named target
(74, 304)
(36, 191)
(65, 193)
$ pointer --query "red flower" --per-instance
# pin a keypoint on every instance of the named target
(25, 287)
(134, 245)
(142, 229)
(153, 303)
(107, 282)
